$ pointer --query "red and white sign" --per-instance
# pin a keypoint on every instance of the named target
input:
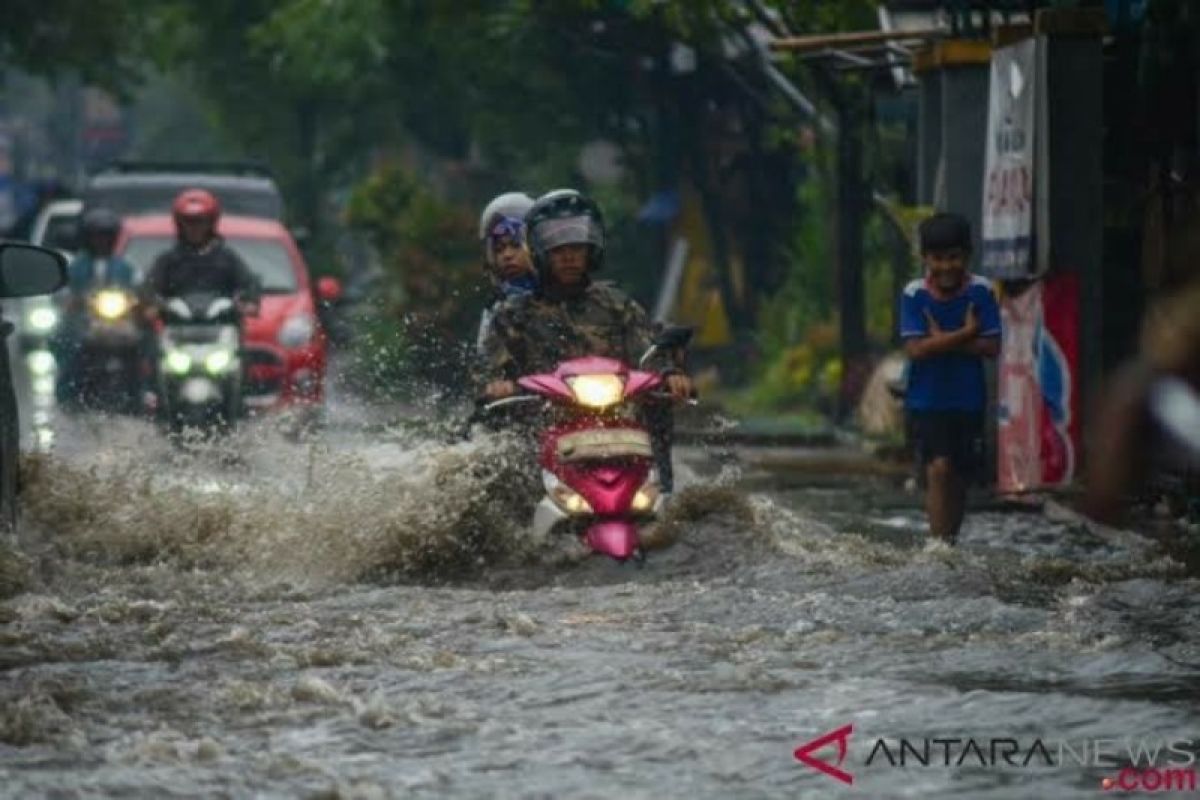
(1038, 435)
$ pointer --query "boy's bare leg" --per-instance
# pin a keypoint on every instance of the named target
(945, 500)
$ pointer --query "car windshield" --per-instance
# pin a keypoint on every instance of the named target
(133, 199)
(62, 233)
(266, 258)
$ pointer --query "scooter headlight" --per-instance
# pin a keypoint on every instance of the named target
(42, 320)
(111, 304)
(597, 391)
(218, 361)
(566, 498)
(646, 497)
(178, 362)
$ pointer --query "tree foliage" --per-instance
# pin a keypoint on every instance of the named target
(105, 42)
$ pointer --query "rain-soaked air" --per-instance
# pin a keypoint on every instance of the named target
(706, 400)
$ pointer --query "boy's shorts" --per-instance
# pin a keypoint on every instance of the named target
(956, 435)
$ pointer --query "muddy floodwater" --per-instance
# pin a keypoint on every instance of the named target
(361, 616)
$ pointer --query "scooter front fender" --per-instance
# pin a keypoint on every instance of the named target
(616, 539)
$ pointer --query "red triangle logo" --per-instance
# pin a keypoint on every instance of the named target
(804, 753)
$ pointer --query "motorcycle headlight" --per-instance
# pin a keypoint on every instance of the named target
(110, 304)
(597, 391)
(42, 320)
(178, 362)
(218, 361)
(297, 331)
(566, 498)
(646, 497)
(41, 362)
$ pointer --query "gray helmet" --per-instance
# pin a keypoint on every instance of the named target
(513, 205)
(565, 216)
(509, 204)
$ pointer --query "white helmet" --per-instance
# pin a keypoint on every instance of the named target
(509, 204)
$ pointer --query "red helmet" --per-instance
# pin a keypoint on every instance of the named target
(193, 203)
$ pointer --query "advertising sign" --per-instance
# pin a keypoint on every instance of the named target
(1008, 211)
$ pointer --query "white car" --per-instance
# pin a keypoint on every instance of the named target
(56, 227)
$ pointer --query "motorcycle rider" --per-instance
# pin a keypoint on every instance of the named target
(505, 254)
(200, 261)
(95, 267)
(569, 315)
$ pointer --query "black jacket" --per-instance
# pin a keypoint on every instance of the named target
(214, 268)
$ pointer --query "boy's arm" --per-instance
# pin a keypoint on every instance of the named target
(923, 337)
(987, 342)
(938, 342)
(983, 346)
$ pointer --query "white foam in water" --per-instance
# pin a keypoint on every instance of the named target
(256, 503)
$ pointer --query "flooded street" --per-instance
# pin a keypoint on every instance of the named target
(359, 617)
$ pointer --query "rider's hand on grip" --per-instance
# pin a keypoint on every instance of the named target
(497, 390)
(680, 386)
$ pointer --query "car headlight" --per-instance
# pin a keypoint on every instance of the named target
(597, 391)
(178, 362)
(111, 305)
(41, 362)
(218, 361)
(297, 331)
(42, 320)
(566, 498)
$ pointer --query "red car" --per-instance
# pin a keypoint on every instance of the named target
(284, 344)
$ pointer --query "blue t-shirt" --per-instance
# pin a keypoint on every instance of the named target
(84, 273)
(949, 381)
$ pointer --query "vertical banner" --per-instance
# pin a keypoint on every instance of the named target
(1018, 399)
(1058, 376)
(1038, 434)
(1008, 212)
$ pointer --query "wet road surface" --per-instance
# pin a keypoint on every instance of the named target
(361, 616)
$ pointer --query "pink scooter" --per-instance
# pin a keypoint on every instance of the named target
(596, 458)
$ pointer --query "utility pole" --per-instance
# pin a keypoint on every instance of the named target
(850, 211)
(850, 216)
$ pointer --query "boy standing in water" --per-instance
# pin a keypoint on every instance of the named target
(950, 323)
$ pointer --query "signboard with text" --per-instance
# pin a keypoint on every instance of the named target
(1008, 211)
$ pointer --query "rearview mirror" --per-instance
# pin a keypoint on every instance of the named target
(674, 337)
(329, 289)
(27, 270)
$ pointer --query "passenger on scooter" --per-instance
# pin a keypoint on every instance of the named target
(95, 267)
(570, 315)
(506, 256)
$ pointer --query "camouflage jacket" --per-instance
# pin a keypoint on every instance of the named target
(533, 333)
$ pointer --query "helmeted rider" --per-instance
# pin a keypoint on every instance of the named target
(200, 260)
(569, 315)
(505, 252)
(95, 267)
